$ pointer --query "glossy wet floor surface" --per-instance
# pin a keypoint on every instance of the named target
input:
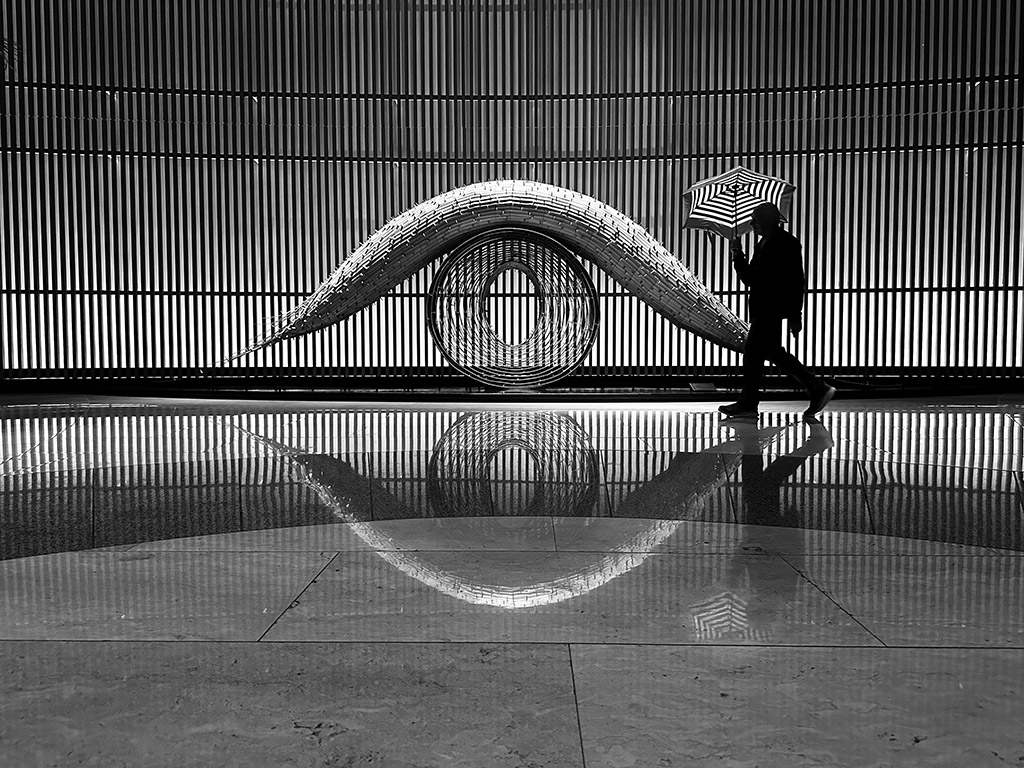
(294, 584)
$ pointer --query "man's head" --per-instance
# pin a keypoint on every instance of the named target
(766, 218)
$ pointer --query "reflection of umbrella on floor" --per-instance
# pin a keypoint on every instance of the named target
(725, 616)
(723, 204)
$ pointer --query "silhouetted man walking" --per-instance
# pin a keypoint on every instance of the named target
(775, 277)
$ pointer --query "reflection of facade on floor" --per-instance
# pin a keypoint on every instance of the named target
(86, 476)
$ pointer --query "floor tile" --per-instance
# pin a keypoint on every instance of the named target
(795, 491)
(445, 534)
(780, 540)
(1005, 458)
(676, 486)
(290, 504)
(565, 596)
(782, 707)
(304, 489)
(148, 502)
(976, 507)
(150, 595)
(897, 545)
(507, 534)
(928, 600)
(401, 487)
(45, 512)
(332, 537)
(643, 535)
(621, 534)
(231, 704)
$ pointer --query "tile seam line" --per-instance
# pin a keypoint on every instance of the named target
(833, 600)
(302, 591)
(576, 704)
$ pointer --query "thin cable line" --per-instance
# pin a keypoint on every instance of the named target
(971, 80)
(485, 158)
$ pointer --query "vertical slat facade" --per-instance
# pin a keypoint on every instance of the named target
(174, 174)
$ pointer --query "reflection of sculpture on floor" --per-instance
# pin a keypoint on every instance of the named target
(335, 481)
(682, 489)
(594, 231)
(551, 451)
(462, 472)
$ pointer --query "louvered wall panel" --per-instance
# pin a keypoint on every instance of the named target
(176, 173)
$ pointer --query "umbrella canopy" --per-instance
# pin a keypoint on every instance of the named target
(723, 204)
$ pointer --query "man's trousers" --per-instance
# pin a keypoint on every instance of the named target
(764, 342)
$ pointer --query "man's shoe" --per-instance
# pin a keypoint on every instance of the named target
(738, 409)
(819, 399)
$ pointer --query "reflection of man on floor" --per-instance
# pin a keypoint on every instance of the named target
(762, 484)
(755, 605)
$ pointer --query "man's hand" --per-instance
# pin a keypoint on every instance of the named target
(736, 252)
(796, 324)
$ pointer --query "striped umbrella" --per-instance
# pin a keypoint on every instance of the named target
(723, 204)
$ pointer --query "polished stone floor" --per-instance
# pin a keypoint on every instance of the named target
(213, 582)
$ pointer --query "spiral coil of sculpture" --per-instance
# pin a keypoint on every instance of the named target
(461, 312)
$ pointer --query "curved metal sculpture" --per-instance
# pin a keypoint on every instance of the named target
(564, 326)
(616, 244)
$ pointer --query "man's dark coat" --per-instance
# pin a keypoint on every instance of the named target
(775, 277)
